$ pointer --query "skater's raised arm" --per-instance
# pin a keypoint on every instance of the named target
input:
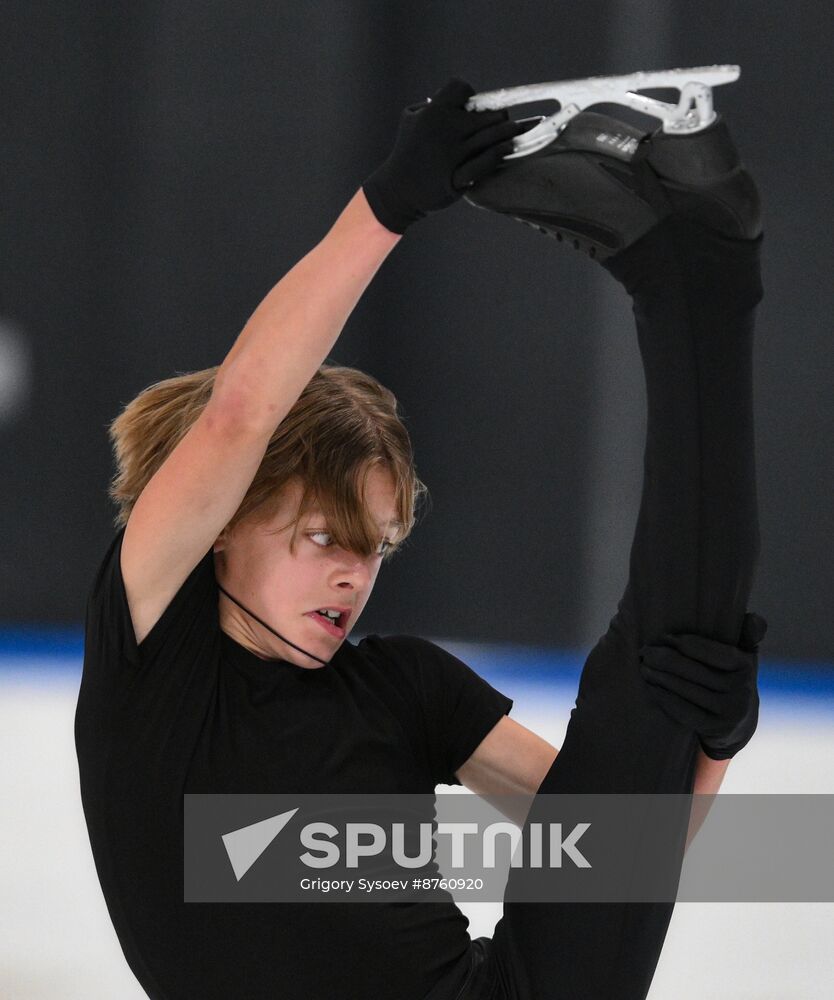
(193, 494)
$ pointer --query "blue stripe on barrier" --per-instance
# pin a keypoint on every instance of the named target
(51, 648)
(41, 640)
(503, 665)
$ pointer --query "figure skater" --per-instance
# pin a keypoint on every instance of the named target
(257, 503)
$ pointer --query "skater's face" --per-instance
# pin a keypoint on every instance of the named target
(255, 564)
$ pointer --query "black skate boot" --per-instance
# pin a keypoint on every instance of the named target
(602, 183)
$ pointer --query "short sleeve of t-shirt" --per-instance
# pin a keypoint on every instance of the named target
(144, 704)
(458, 707)
(190, 615)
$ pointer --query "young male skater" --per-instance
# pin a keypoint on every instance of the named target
(210, 665)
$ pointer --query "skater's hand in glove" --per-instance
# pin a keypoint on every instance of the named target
(708, 686)
(440, 150)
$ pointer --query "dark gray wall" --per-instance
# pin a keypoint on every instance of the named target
(165, 164)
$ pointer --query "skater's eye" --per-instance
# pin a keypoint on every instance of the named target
(326, 534)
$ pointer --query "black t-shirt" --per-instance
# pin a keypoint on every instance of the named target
(191, 710)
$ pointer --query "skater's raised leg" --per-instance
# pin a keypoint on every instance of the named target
(684, 241)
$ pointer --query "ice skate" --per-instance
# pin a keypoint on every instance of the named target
(600, 183)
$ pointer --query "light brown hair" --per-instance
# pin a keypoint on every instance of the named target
(343, 423)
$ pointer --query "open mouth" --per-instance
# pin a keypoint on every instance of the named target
(335, 626)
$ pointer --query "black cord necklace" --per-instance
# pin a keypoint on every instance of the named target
(272, 630)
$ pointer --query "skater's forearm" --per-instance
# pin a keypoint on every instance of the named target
(709, 774)
(294, 328)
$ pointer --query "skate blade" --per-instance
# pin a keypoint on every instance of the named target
(693, 112)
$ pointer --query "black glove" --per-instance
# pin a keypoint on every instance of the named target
(708, 686)
(440, 150)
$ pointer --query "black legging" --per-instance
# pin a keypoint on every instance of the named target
(691, 567)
